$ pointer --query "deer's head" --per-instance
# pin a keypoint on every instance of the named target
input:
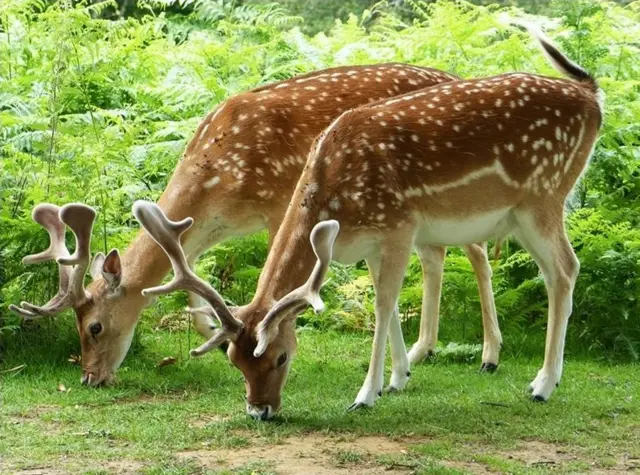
(261, 338)
(104, 340)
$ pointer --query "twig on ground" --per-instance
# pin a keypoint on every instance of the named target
(16, 369)
(497, 404)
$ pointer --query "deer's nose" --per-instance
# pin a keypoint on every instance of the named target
(92, 379)
(260, 412)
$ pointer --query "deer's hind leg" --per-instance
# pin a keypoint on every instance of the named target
(541, 231)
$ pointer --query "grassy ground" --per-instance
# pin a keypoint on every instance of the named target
(189, 417)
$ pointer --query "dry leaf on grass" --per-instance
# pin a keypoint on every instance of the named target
(169, 360)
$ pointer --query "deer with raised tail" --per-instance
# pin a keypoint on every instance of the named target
(236, 177)
(453, 164)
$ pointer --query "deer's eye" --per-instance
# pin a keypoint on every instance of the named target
(95, 328)
(282, 359)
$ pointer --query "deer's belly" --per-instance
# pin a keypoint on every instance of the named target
(352, 248)
(458, 231)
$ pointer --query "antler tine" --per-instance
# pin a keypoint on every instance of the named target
(79, 218)
(26, 314)
(322, 239)
(167, 234)
(59, 303)
(47, 215)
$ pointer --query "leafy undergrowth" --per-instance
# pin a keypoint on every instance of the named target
(189, 417)
(99, 110)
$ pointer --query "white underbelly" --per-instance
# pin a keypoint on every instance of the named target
(463, 230)
(351, 249)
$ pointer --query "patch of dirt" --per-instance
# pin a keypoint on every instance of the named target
(38, 471)
(35, 412)
(471, 467)
(34, 417)
(122, 467)
(534, 452)
(204, 420)
(311, 454)
(114, 467)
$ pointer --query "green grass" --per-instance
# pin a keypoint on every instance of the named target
(451, 418)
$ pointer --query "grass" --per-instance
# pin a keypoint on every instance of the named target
(451, 419)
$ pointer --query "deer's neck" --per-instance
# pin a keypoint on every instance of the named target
(144, 263)
(291, 258)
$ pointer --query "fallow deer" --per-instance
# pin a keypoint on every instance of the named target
(452, 164)
(236, 177)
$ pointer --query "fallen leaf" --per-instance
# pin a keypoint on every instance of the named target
(75, 359)
(169, 360)
(62, 388)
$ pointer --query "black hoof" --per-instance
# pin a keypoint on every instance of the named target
(408, 374)
(488, 368)
(431, 354)
(379, 393)
(357, 406)
(538, 398)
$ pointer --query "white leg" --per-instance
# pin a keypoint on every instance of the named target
(432, 260)
(393, 262)
(477, 254)
(400, 371)
(555, 257)
(203, 324)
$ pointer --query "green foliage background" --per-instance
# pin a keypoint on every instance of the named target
(98, 110)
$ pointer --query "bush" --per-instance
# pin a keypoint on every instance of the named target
(99, 111)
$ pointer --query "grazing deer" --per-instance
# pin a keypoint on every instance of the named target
(236, 177)
(452, 164)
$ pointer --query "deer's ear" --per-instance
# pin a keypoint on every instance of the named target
(322, 238)
(112, 269)
(268, 328)
(96, 266)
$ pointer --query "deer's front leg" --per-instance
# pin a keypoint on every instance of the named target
(392, 264)
(399, 360)
(203, 324)
(477, 254)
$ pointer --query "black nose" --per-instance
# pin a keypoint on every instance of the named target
(264, 415)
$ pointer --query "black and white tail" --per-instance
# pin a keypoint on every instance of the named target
(564, 65)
